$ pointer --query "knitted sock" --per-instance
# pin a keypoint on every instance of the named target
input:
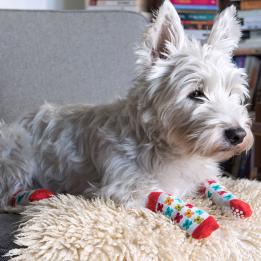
(198, 223)
(22, 198)
(218, 194)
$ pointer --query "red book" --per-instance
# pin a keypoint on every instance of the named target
(194, 2)
(197, 22)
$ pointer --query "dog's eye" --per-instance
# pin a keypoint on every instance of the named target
(197, 95)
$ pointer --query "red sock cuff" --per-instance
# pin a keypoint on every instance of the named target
(153, 200)
(206, 228)
(40, 194)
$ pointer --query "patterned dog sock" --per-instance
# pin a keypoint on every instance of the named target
(22, 198)
(218, 194)
(198, 223)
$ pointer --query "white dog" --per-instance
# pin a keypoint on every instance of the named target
(184, 114)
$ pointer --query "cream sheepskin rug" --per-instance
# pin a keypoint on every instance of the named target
(69, 228)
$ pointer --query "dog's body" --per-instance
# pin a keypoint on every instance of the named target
(167, 134)
(96, 151)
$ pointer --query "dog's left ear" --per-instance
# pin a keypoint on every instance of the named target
(165, 30)
(226, 31)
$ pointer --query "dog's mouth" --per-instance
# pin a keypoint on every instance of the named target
(224, 154)
(234, 149)
(224, 151)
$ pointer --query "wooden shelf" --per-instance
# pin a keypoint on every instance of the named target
(247, 51)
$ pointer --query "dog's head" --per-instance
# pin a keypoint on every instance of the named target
(195, 91)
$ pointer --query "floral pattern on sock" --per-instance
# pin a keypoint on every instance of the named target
(185, 215)
(220, 196)
(168, 200)
(169, 211)
(198, 219)
(189, 213)
(187, 224)
(218, 192)
(178, 217)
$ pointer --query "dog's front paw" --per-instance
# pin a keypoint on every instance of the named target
(23, 198)
(240, 208)
(40, 194)
(196, 222)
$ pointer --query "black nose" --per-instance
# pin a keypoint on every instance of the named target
(235, 135)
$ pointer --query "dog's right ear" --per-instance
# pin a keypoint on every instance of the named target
(165, 32)
(226, 31)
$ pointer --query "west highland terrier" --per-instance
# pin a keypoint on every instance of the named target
(184, 114)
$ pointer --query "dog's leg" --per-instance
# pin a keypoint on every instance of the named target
(16, 168)
(220, 196)
(23, 198)
(134, 189)
(198, 223)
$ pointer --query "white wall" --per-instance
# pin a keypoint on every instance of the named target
(66, 4)
(41, 4)
(24, 4)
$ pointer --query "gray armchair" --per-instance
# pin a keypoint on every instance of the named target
(62, 57)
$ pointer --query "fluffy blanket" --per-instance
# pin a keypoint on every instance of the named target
(72, 228)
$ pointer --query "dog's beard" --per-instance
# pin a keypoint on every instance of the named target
(210, 143)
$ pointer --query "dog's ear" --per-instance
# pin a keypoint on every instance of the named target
(226, 31)
(165, 30)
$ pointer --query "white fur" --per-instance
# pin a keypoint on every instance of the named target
(157, 138)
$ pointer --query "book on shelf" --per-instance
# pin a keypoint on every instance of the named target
(197, 7)
(195, 4)
(257, 147)
(250, 4)
(257, 94)
(115, 2)
(111, 2)
(239, 166)
(249, 13)
(127, 5)
(250, 43)
(197, 25)
(116, 8)
(245, 165)
(250, 19)
(251, 29)
(197, 16)
(252, 66)
(251, 34)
